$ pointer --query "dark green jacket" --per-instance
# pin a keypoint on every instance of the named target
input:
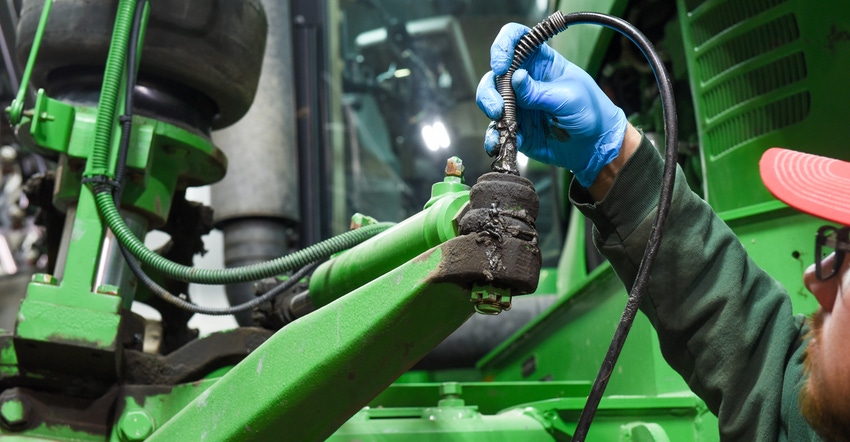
(724, 324)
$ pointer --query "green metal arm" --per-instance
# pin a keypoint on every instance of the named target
(357, 345)
(350, 350)
(16, 108)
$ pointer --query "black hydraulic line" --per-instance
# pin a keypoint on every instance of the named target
(671, 131)
(531, 41)
(181, 303)
(126, 119)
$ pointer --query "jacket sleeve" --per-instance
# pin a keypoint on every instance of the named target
(723, 323)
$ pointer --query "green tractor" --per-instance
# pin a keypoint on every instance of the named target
(374, 279)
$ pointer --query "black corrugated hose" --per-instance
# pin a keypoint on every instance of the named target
(556, 23)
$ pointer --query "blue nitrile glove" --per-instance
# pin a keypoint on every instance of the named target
(564, 118)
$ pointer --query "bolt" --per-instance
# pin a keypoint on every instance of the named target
(455, 168)
(108, 289)
(359, 220)
(450, 395)
(135, 425)
(44, 278)
(14, 410)
(450, 389)
(489, 300)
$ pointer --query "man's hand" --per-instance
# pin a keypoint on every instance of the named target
(564, 118)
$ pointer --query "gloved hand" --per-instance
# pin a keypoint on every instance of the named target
(564, 118)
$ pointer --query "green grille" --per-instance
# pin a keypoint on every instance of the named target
(758, 121)
(764, 73)
(751, 85)
(745, 49)
(724, 18)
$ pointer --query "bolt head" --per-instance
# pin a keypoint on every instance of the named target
(14, 410)
(359, 220)
(450, 388)
(454, 167)
(108, 289)
(44, 278)
(490, 301)
(135, 425)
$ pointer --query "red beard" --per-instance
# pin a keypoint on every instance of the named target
(825, 412)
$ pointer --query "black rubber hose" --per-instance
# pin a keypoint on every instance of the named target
(671, 133)
(126, 119)
(179, 302)
(552, 25)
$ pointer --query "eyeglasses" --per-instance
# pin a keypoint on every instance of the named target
(830, 240)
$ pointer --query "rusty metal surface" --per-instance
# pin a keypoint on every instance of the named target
(86, 408)
(481, 259)
(195, 359)
(86, 415)
(506, 192)
(501, 240)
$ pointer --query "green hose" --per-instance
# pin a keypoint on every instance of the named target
(98, 174)
(253, 272)
(99, 161)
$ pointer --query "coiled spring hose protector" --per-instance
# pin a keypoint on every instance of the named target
(99, 168)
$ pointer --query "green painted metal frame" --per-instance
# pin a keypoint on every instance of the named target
(380, 322)
(127, 413)
(72, 309)
(489, 397)
(349, 350)
(764, 75)
(445, 422)
(357, 345)
(68, 311)
(633, 418)
(162, 158)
